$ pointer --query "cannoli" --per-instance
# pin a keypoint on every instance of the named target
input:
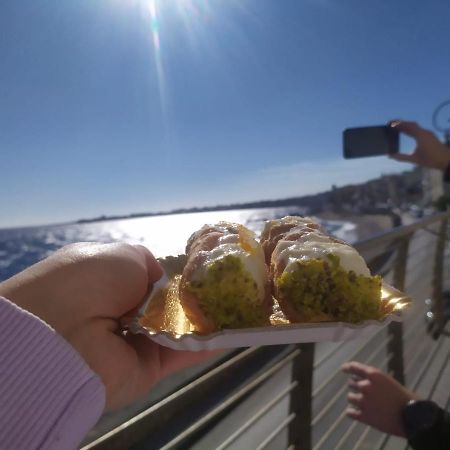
(225, 281)
(316, 277)
(274, 230)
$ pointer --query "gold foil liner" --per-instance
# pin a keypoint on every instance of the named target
(163, 317)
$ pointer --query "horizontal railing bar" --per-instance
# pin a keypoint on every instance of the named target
(418, 242)
(439, 376)
(257, 416)
(418, 260)
(242, 355)
(413, 327)
(426, 364)
(385, 361)
(135, 424)
(327, 355)
(434, 232)
(410, 354)
(416, 267)
(276, 432)
(423, 247)
(346, 435)
(416, 273)
(326, 435)
(382, 441)
(410, 351)
(400, 232)
(413, 283)
(417, 353)
(350, 429)
(352, 356)
(421, 235)
(334, 399)
(230, 400)
(362, 437)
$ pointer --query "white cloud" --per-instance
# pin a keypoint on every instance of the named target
(307, 177)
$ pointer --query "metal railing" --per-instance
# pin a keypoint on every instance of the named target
(185, 418)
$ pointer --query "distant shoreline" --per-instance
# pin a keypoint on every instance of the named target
(294, 202)
(370, 195)
(354, 200)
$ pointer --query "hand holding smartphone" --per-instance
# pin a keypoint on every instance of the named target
(370, 141)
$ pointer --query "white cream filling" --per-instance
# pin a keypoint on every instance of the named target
(349, 258)
(312, 236)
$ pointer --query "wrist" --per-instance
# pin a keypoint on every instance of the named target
(421, 419)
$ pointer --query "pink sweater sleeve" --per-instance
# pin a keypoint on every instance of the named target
(49, 397)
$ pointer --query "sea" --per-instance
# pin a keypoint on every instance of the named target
(163, 234)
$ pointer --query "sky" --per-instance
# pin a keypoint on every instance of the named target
(126, 106)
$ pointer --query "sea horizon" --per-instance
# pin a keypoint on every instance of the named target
(163, 234)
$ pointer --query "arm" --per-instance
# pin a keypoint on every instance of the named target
(75, 355)
(429, 152)
(378, 400)
(49, 396)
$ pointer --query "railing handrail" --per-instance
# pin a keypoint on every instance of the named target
(400, 232)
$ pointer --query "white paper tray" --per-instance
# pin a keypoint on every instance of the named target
(164, 322)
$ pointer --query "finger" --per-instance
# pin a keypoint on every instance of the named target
(393, 122)
(355, 399)
(356, 368)
(354, 413)
(174, 360)
(353, 385)
(149, 364)
(410, 128)
(158, 361)
(404, 157)
(154, 269)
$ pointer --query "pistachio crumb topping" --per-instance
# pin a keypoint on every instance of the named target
(322, 286)
(229, 295)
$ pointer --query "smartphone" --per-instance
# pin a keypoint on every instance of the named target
(370, 141)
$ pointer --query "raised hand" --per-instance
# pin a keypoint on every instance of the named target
(429, 152)
(375, 398)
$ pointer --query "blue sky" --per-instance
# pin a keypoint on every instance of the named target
(121, 106)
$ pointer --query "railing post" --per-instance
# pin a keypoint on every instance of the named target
(301, 399)
(438, 285)
(395, 329)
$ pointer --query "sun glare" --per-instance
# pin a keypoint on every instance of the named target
(154, 25)
(158, 15)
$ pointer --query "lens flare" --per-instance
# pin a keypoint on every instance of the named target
(155, 33)
(154, 24)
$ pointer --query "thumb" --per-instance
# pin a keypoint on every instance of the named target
(153, 268)
(403, 157)
(410, 128)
